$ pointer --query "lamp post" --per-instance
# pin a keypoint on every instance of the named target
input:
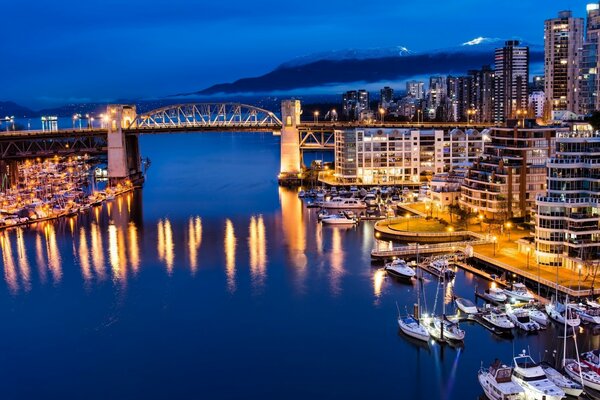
(528, 251)
(579, 268)
(407, 215)
(419, 113)
(494, 239)
(480, 217)
(382, 112)
(508, 226)
(537, 260)
(316, 117)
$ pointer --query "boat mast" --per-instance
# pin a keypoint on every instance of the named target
(443, 306)
(418, 313)
(565, 334)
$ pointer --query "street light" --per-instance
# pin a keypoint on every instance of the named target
(407, 215)
(470, 112)
(528, 251)
(508, 226)
(480, 217)
(316, 117)
(382, 112)
(579, 268)
(75, 117)
(494, 239)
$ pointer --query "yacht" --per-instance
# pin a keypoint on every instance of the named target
(567, 385)
(451, 329)
(301, 194)
(466, 306)
(371, 200)
(494, 294)
(592, 360)
(582, 373)
(343, 203)
(537, 315)
(399, 269)
(338, 219)
(592, 303)
(518, 291)
(411, 326)
(497, 384)
(520, 317)
(557, 312)
(531, 377)
(498, 319)
(440, 268)
(587, 314)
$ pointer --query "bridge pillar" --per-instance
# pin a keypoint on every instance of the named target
(290, 137)
(120, 162)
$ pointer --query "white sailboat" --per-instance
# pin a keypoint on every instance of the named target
(410, 324)
(560, 313)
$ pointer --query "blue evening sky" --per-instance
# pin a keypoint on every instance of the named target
(54, 52)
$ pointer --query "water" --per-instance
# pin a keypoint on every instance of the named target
(215, 283)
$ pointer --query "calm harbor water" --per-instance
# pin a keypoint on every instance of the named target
(212, 282)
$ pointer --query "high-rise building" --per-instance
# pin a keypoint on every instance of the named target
(354, 103)
(590, 62)
(567, 229)
(436, 97)
(504, 183)
(415, 89)
(563, 41)
(537, 100)
(511, 77)
(387, 96)
(537, 83)
(482, 94)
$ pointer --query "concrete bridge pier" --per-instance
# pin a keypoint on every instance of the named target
(123, 150)
(290, 141)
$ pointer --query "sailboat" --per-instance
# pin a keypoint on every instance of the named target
(410, 324)
(441, 328)
(561, 313)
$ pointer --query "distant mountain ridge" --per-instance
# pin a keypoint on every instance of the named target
(369, 66)
(12, 109)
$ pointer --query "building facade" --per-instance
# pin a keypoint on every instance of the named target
(511, 77)
(415, 89)
(590, 62)
(354, 102)
(505, 182)
(402, 156)
(567, 229)
(482, 94)
(563, 41)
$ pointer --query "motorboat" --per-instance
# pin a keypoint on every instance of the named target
(343, 203)
(440, 268)
(532, 378)
(370, 199)
(301, 194)
(466, 306)
(582, 373)
(338, 219)
(498, 319)
(537, 315)
(399, 269)
(587, 314)
(565, 383)
(518, 291)
(411, 326)
(322, 214)
(592, 303)
(521, 319)
(495, 295)
(451, 330)
(557, 312)
(496, 382)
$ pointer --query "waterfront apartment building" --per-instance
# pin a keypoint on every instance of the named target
(511, 76)
(402, 156)
(567, 231)
(505, 182)
(436, 97)
(590, 63)
(354, 102)
(415, 89)
(563, 41)
(482, 94)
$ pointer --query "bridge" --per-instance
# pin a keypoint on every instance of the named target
(119, 140)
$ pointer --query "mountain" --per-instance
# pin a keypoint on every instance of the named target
(369, 66)
(12, 109)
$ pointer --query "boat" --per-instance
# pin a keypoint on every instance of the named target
(338, 219)
(592, 303)
(521, 319)
(495, 295)
(582, 373)
(399, 269)
(518, 291)
(343, 203)
(322, 214)
(370, 199)
(532, 378)
(466, 306)
(440, 268)
(497, 384)
(566, 384)
(498, 319)
(592, 360)
(441, 328)
(537, 315)
(587, 314)
(411, 326)
(301, 194)
(557, 311)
